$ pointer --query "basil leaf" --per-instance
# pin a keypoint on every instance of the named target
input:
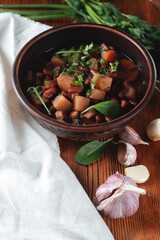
(108, 108)
(90, 152)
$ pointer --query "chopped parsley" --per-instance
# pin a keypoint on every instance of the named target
(88, 93)
(76, 122)
(113, 66)
(47, 82)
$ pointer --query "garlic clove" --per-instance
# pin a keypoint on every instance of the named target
(123, 200)
(126, 154)
(129, 135)
(153, 130)
(139, 173)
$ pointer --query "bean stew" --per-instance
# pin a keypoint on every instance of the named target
(84, 85)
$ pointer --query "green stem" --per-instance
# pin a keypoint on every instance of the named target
(157, 89)
(92, 14)
(33, 13)
(49, 16)
(59, 6)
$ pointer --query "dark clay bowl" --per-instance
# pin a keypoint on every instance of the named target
(72, 35)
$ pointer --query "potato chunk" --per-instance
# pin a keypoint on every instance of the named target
(97, 94)
(102, 82)
(62, 103)
(65, 82)
(80, 103)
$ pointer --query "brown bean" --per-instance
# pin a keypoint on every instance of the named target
(38, 81)
(98, 118)
(114, 100)
(39, 74)
(48, 72)
(64, 93)
(49, 92)
(75, 89)
(57, 61)
(83, 69)
(52, 83)
(35, 101)
(87, 81)
(29, 77)
(47, 86)
(51, 108)
(57, 68)
(60, 115)
(49, 65)
(74, 114)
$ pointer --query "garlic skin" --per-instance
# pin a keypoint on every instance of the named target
(126, 154)
(119, 196)
(153, 130)
(129, 135)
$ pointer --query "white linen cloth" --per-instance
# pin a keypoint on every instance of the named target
(40, 198)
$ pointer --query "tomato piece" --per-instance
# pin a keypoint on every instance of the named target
(109, 56)
(128, 71)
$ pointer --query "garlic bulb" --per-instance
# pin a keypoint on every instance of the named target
(153, 130)
(126, 154)
(119, 196)
(129, 135)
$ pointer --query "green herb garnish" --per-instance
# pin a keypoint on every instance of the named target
(75, 59)
(80, 78)
(156, 88)
(56, 73)
(38, 95)
(102, 61)
(91, 152)
(88, 62)
(47, 82)
(113, 66)
(108, 108)
(94, 82)
(97, 12)
(76, 122)
(88, 93)
(78, 84)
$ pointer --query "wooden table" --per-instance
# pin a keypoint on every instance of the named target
(145, 224)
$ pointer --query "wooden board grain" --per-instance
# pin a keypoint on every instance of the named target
(145, 224)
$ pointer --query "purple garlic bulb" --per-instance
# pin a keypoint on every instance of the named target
(119, 196)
